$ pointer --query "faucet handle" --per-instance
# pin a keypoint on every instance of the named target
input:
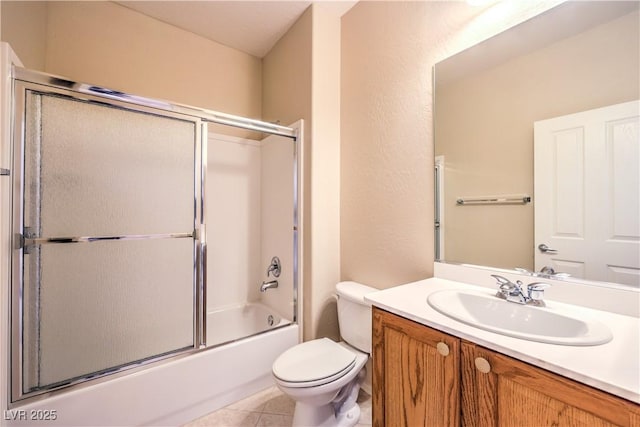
(536, 290)
(502, 281)
(508, 289)
(507, 285)
(275, 267)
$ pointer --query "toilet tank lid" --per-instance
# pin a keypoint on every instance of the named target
(354, 291)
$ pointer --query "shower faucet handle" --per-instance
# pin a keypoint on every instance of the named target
(275, 267)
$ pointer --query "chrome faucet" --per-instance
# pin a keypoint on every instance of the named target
(513, 292)
(268, 285)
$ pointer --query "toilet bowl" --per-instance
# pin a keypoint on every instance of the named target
(324, 376)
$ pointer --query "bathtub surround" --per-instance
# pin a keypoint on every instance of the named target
(250, 200)
(113, 367)
(277, 203)
(243, 320)
(233, 167)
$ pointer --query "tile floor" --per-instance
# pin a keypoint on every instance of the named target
(269, 407)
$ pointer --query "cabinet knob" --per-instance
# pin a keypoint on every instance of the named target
(442, 348)
(483, 365)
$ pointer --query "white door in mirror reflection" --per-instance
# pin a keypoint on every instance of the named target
(587, 193)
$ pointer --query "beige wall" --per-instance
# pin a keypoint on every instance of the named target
(492, 153)
(325, 171)
(386, 206)
(106, 44)
(388, 50)
(302, 80)
(24, 26)
(286, 95)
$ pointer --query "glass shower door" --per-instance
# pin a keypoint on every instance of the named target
(106, 274)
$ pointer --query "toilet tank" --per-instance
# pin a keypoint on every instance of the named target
(354, 314)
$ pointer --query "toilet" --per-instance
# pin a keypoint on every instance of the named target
(324, 376)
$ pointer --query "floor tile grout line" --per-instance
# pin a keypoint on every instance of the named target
(262, 414)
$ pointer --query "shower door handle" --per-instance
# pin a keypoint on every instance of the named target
(26, 240)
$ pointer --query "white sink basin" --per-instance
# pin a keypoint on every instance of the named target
(486, 311)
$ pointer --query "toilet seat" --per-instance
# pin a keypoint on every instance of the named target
(313, 363)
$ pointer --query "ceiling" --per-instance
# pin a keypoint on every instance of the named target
(560, 22)
(250, 26)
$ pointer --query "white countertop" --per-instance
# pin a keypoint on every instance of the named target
(613, 367)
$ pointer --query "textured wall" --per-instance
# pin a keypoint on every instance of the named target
(287, 71)
(103, 43)
(325, 172)
(301, 79)
(388, 50)
(24, 26)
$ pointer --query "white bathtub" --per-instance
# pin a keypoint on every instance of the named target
(233, 323)
(174, 392)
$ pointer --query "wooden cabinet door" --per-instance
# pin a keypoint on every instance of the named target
(415, 374)
(500, 391)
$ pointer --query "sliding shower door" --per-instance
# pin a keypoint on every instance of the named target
(107, 219)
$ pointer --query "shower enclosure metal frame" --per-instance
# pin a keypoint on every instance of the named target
(25, 80)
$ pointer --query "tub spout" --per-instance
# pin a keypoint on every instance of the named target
(268, 285)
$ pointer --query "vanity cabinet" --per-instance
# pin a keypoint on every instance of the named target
(499, 390)
(416, 384)
(416, 377)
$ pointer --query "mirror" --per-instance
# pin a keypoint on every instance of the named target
(576, 57)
